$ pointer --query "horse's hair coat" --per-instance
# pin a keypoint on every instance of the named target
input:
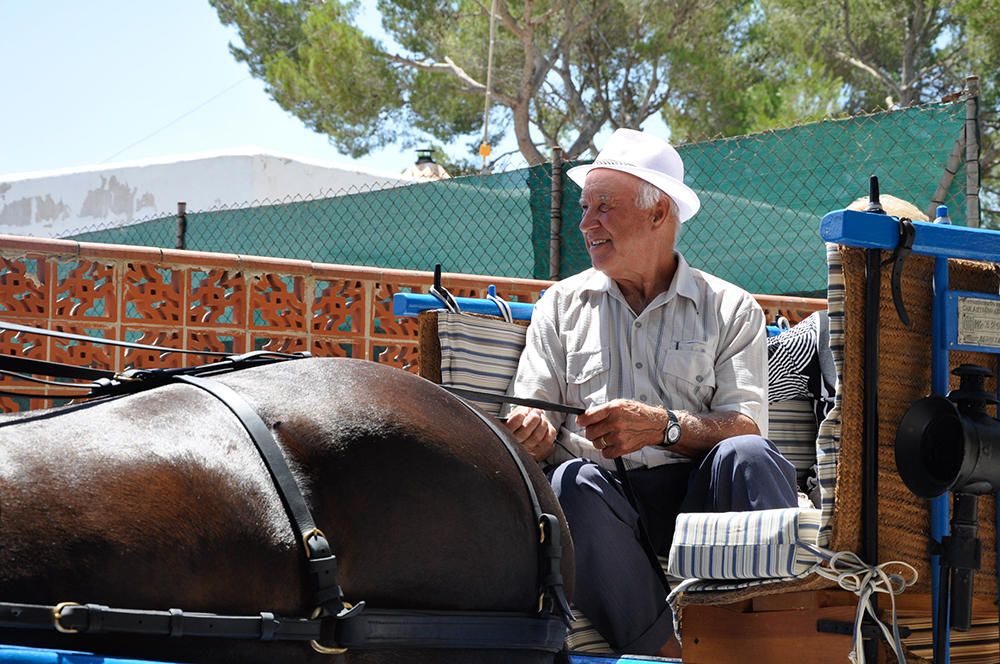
(160, 500)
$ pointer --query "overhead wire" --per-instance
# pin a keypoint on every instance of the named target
(180, 117)
(484, 147)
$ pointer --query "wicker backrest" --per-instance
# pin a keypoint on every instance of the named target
(904, 376)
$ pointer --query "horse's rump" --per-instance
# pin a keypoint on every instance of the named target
(160, 500)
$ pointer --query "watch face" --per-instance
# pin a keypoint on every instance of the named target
(673, 433)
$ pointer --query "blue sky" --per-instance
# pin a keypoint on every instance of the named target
(104, 81)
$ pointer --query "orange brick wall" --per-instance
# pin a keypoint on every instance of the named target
(218, 302)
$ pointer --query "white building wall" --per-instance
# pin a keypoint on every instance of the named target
(60, 203)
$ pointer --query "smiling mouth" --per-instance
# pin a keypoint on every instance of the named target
(597, 243)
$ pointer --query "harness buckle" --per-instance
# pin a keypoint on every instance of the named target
(57, 615)
(319, 647)
(308, 536)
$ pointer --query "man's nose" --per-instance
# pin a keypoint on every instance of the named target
(588, 220)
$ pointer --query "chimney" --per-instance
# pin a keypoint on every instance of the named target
(425, 168)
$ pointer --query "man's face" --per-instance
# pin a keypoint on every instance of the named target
(618, 235)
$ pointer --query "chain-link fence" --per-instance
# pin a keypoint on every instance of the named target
(762, 198)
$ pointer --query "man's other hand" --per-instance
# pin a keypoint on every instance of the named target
(621, 426)
(532, 430)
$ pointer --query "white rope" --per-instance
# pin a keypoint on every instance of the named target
(502, 305)
(445, 298)
(854, 575)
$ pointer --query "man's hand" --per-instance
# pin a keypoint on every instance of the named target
(530, 428)
(620, 426)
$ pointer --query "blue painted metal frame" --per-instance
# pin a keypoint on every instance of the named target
(879, 231)
(411, 304)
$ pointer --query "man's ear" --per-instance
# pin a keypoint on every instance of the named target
(661, 210)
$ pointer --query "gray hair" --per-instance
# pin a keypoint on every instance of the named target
(648, 195)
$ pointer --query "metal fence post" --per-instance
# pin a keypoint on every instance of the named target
(951, 168)
(972, 152)
(182, 223)
(555, 213)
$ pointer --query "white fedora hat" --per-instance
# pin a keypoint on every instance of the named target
(649, 158)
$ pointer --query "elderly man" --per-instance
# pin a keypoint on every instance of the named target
(670, 364)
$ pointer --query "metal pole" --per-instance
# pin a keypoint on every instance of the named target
(972, 152)
(182, 223)
(869, 416)
(940, 506)
(555, 214)
(954, 161)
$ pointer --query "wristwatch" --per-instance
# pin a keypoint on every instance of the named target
(672, 433)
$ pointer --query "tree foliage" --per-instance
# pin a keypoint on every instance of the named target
(898, 54)
(563, 70)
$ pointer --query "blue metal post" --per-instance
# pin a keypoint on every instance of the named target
(939, 386)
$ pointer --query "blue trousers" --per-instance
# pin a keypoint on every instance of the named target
(616, 587)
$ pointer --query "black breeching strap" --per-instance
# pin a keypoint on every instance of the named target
(644, 539)
(551, 586)
(321, 562)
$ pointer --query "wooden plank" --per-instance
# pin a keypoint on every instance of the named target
(715, 635)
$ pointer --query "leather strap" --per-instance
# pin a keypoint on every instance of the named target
(321, 561)
(372, 629)
(550, 550)
(15, 327)
(54, 369)
(477, 395)
(98, 619)
(907, 233)
(375, 629)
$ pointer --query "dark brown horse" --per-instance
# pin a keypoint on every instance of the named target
(159, 500)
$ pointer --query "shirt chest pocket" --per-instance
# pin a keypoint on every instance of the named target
(690, 367)
(587, 376)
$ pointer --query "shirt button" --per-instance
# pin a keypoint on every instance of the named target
(699, 378)
(638, 324)
(642, 397)
(638, 365)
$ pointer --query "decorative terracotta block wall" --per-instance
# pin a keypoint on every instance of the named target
(218, 302)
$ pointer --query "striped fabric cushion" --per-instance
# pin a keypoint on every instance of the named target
(480, 353)
(791, 426)
(583, 637)
(828, 440)
(744, 545)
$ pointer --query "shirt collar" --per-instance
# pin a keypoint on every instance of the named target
(683, 284)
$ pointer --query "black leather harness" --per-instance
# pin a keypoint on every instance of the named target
(335, 625)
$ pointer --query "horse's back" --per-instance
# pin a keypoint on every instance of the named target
(163, 501)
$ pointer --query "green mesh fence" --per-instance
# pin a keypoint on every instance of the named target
(763, 195)
(762, 198)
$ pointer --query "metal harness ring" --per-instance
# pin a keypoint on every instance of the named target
(319, 647)
(57, 617)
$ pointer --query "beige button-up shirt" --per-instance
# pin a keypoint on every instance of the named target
(700, 346)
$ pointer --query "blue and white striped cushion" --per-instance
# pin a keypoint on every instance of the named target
(791, 426)
(479, 353)
(745, 545)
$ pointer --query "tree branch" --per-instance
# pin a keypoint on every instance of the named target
(857, 60)
(449, 67)
(868, 69)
